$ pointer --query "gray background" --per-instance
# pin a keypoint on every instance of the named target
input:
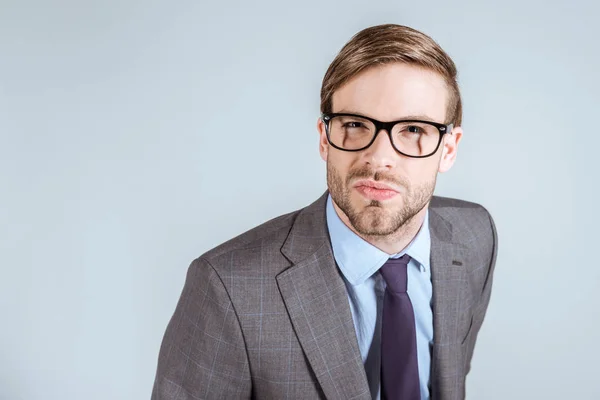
(135, 135)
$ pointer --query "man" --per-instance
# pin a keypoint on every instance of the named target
(376, 290)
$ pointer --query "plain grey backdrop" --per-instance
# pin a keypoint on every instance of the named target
(135, 135)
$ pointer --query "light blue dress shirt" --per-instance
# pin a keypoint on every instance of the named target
(359, 262)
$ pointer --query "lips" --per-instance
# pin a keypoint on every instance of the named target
(376, 190)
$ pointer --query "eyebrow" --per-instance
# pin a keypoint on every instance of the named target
(407, 117)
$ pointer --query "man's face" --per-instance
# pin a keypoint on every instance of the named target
(387, 93)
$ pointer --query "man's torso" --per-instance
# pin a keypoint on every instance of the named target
(291, 304)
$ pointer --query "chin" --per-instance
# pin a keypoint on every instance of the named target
(391, 204)
(375, 210)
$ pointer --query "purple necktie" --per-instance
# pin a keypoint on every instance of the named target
(399, 367)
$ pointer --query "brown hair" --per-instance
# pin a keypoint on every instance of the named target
(384, 44)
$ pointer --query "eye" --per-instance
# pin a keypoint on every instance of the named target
(415, 129)
(353, 124)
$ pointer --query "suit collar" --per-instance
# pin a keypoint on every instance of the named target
(308, 233)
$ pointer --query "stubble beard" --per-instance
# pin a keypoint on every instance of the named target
(378, 220)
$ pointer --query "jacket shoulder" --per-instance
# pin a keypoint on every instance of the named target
(470, 222)
(450, 207)
(244, 253)
(443, 202)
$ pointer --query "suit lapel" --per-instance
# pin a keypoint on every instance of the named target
(448, 281)
(317, 302)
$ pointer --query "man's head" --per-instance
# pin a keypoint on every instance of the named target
(388, 73)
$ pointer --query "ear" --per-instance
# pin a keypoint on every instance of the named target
(449, 148)
(323, 142)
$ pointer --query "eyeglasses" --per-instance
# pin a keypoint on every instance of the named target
(411, 138)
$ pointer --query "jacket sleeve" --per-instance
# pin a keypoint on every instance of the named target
(203, 355)
(481, 309)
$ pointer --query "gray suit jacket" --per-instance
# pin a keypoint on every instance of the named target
(266, 314)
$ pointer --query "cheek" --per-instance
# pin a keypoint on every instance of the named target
(421, 172)
(342, 163)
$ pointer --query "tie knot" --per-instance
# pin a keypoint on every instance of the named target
(395, 273)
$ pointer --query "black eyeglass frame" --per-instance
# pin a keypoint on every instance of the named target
(387, 126)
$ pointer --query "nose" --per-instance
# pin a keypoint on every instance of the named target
(381, 154)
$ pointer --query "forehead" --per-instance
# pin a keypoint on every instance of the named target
(393, 91)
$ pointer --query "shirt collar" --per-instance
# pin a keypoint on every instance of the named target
(358, 259)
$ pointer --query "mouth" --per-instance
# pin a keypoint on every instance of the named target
(376, 190)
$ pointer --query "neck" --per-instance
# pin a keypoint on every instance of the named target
(395, 242)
